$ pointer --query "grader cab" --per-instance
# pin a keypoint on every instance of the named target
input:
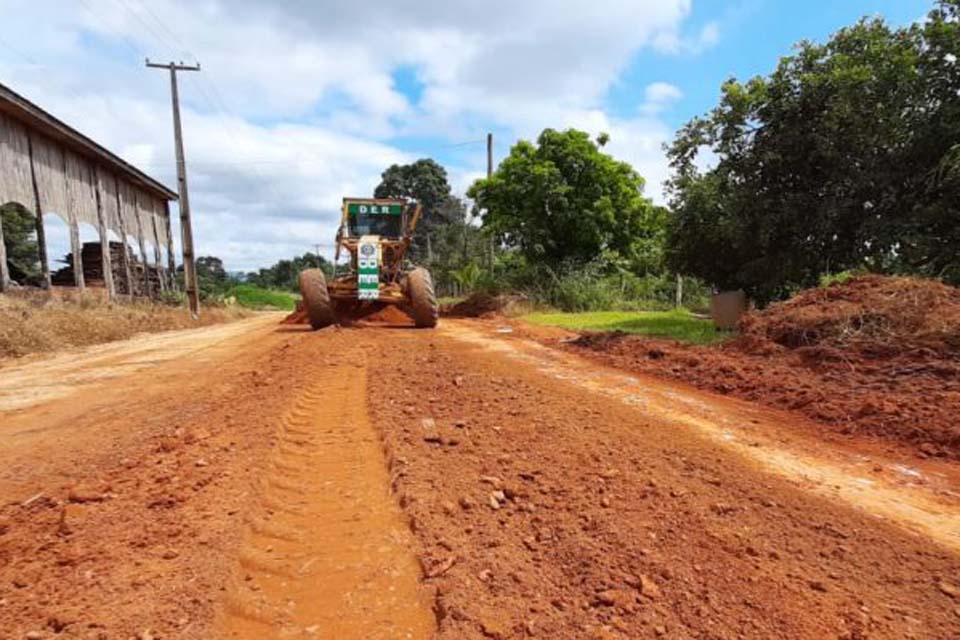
(375, 234)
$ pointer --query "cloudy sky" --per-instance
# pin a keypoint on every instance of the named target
(302, 102)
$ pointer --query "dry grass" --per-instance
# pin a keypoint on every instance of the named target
(37, 322)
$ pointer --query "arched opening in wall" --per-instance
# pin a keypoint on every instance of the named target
(137, 266)
(20, 241)
(90, 255)
(57, 233)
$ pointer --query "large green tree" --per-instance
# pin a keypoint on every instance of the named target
(563, 201)
(426, 181)
(845, 156)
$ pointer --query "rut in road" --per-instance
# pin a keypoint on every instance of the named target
(327, 552)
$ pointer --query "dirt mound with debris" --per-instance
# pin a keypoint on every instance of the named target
(388, 315)
(482, 304)
(872, 315)
(298, 315)
(876, 355)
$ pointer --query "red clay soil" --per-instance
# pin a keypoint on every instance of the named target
(543, 510)
(483, 305)
(389, 315)
(298, 315)
(540, 510)
(876, 355)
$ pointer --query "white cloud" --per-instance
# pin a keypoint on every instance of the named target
(296, 105)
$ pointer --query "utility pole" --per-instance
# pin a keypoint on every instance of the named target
(318, 255)
(489, 154)
(186, 229)
(489, 175)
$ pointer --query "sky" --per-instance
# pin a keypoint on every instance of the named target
(300, 103)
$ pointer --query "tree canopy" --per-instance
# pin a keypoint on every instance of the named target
(845, 156)
(284, 274)
(426, 181)
(564, 201)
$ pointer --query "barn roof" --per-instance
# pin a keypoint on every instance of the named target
(16, 106)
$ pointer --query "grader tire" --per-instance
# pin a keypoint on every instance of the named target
(316, 298)
(423, 299)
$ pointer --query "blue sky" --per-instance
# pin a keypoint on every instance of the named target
(301, 102)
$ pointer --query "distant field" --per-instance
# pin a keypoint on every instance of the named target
(253, 297)
(678, 325)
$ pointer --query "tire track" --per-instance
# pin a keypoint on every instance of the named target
(327, 553)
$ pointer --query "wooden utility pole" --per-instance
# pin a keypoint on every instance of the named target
(489, 154)
(186, 229)
(489, 175)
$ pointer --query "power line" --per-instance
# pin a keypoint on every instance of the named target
(153, 32)
(119, 36)
(169, 31)
(28, 59)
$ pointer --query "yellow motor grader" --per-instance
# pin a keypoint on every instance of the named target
(376, 234)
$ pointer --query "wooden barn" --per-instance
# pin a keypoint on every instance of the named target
(48, 167)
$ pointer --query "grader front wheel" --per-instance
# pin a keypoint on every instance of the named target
(423, 299)
(316, 298)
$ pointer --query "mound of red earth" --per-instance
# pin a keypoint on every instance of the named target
(482, 304)
(388, 315)
(298, 315)
(875, 355)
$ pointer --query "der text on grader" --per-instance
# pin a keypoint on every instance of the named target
(376, 233)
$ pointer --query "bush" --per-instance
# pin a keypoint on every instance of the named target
(254, 297)
(593, 287)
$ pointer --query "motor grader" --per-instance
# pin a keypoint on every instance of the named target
(375, 233)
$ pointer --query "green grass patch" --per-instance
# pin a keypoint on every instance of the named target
(449, 301)
(678, 325)
(253, 297)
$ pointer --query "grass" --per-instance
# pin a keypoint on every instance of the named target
(253, 297)
(678, 325)
(449, 301)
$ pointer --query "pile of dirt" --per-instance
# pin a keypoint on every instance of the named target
(298, 315)
(40, 322)
(874, 316)
(876, 355)
(482, 304)
(388, 315)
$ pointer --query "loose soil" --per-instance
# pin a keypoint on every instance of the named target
(874, 356)
(239, 489)
(485, 305)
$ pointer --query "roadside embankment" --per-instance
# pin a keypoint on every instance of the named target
(38, 323)
(877, 356)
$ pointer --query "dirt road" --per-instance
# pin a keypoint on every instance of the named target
(259, 481)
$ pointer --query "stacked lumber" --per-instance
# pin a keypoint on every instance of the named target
(91, 256)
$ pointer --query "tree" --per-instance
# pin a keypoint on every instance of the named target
(284, 274)
(425, 181)
(563, 201)
(212, 278)
(837, 160)
(20, 240)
